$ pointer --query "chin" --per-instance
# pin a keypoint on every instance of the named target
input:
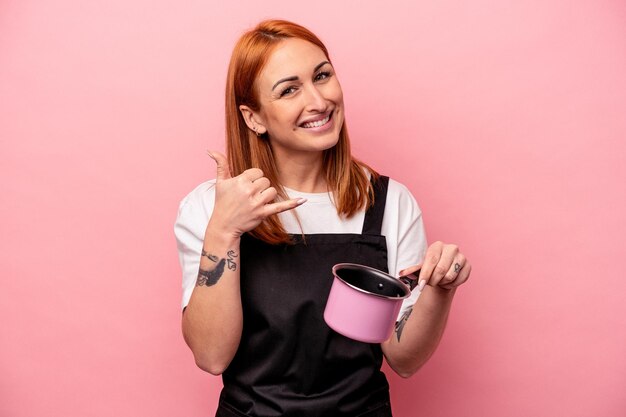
(329, 142)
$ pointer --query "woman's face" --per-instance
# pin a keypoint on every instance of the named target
(301, 102)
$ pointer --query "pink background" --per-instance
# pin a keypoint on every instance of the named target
(505, 118)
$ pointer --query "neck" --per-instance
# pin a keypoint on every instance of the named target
(302, 173)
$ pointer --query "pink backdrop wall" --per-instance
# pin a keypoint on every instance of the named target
(505, 118)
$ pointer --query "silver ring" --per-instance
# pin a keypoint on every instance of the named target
(457, 267)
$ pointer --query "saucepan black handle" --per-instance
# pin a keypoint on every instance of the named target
(411, 280)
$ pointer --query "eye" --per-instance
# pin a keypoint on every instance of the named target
(322, 75)
(287, 91)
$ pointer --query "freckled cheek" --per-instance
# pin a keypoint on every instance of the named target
(339, 108)
(283, 118)
(338, 100)
(338, 92)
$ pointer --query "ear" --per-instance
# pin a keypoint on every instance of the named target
(253, 120)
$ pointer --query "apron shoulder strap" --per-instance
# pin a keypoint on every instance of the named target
(373, 222)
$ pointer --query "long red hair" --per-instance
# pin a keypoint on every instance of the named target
(345, 176)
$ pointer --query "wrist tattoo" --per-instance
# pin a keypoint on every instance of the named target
(400, 324)
(211, 277)
(209, 256)
(232, 265)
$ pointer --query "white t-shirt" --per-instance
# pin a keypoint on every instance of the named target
(402, 227)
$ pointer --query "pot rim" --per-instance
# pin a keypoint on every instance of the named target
(376, 272)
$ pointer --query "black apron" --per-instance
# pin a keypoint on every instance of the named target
(289, 362)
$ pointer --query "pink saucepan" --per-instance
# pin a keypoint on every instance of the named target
(364, 302)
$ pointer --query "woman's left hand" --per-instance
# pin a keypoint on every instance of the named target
(444, 266)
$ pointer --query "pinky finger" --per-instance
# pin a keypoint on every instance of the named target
(281, 206)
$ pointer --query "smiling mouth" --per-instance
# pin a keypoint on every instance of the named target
(317, 123)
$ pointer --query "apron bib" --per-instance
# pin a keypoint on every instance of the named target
(289, 362)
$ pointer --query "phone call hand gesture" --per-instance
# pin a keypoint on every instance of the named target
(244, 201)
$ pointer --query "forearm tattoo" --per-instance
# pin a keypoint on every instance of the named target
(211, 277)
(232, 265)
(209, 256)
(400, 324)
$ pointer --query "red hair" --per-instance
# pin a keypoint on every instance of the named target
(345, 176)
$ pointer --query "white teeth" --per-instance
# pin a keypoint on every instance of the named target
(317, 123)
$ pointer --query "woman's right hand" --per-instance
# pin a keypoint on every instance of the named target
(243, 202)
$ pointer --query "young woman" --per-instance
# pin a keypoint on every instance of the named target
(257, 244)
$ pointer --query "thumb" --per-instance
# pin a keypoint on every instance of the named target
(223, 170)
(410, 270)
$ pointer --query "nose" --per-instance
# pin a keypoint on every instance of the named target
(316, 103)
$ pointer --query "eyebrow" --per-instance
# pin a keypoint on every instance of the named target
(295, 78)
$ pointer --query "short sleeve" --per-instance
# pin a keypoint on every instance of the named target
(403, 227)
(193, 216)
